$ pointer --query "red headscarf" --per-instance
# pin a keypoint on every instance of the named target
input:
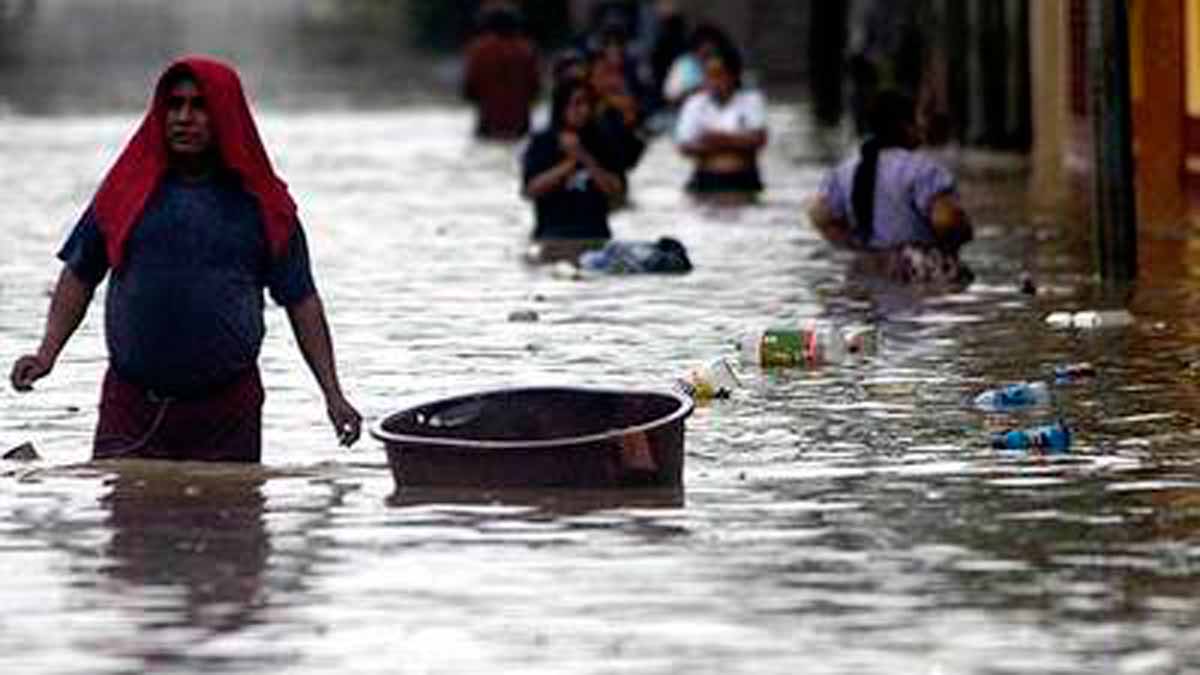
(122, 197)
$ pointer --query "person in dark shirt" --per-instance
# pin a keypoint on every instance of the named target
(565, 170)
(190, 225)
(502, 76)
(622, 146)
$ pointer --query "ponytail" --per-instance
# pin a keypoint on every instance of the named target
(890, 115)
(862, 195)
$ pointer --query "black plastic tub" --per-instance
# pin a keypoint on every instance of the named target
(539, 437)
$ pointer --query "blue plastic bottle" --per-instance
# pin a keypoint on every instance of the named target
(1020, 395)
(1055, 436)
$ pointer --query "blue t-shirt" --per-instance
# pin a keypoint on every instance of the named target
(184, 314)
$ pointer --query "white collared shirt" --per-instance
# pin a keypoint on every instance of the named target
(745, 111)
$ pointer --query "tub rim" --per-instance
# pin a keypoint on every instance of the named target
(685, 409)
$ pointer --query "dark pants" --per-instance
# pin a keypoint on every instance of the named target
(224, 425)
(745, 181)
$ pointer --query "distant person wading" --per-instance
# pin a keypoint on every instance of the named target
(563, 175)
(723, 127)
(893, 204)
(502, 76)
(190, 225)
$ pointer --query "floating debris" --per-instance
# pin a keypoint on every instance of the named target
(1074, 371)
(713, 380)
(1055, 436)
(23, 453)
(1018, 395)
(1109, 318)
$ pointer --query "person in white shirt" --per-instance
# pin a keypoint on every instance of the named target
(723, 128)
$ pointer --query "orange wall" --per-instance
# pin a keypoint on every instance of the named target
(1159, 64)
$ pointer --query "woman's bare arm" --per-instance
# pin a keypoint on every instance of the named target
(744, 141)
(550, 179)
(835, 230)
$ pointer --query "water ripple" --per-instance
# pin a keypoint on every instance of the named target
(835, 520)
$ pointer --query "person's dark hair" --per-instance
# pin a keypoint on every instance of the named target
(730, 57)
(561, 98)
(612, 32)
(622, 13)
(672, 41)
(501, 21)
(889, 118)
(179, 72)
(567, 60)
(709, 33)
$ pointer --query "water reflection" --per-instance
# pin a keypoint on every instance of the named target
(187, 556)
(840, 520)
(551, 502)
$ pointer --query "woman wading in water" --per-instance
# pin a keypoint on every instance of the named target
(896, 206)
(723, 128)
(570, 187)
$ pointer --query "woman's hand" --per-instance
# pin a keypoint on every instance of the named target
(950, 223)
(27, 370)
(570, 143)
(606, 181)
(553, 178)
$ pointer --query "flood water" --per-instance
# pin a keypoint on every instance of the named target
(849, 519)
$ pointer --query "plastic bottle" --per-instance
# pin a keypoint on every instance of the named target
(710, 381)
(814, 342)
(1019, 395)
(1103, 319)
(1107, 318)
(861, 340)
(1055, 436)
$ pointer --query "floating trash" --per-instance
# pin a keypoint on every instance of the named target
(713, 380)
(1019, 395)
(1109, 318)
(861, 340)
(23, 453)
(1055, 436)
(815, 342)
(664, 256)
(1074, 371)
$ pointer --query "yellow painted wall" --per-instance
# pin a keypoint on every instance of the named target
(1192, 41)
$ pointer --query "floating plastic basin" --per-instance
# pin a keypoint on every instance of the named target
(539, 437)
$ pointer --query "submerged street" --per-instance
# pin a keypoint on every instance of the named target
(844, 519)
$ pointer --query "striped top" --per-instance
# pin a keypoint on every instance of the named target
(905, 187)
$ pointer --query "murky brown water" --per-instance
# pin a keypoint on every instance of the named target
(847, 520)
